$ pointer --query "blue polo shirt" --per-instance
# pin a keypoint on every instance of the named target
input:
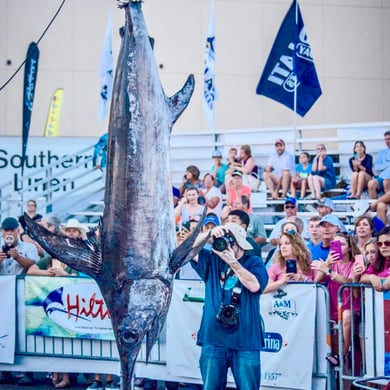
(248, 335)
(318, 252)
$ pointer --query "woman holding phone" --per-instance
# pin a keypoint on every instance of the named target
(291, 262)
(338, 269)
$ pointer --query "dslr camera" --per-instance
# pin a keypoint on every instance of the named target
(229, 315)
(221, 243)
(9, 243)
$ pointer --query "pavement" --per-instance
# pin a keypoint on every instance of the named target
(43, 381)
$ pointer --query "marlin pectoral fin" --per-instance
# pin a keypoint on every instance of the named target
(186, 251)
(83, 256)
(180, 100)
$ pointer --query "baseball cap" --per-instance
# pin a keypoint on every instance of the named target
(325, 202)
(216, 153)
(279, 141)
(291, 200)
(211, 219)
(330, 218)
(10, 223)
(237, 173)
(239, 234)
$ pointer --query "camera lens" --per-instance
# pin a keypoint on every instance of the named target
(227, 312)
(220, 244)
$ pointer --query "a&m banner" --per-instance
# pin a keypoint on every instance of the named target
(288, 322)
(66, 307)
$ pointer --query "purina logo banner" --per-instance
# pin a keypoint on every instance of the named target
(290, 66)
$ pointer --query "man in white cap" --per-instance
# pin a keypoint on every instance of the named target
(329, 226)
(234, 280)
(279, 170)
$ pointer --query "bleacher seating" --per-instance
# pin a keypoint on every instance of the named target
(196, 148)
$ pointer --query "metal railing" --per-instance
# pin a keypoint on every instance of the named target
(82, 182)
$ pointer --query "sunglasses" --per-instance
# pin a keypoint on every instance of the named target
(384, 243)
(289, 207)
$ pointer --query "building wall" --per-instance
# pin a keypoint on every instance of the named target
(350, 40)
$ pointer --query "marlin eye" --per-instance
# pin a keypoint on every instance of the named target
(129, 337)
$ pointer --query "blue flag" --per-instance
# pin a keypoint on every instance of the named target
(289, 75)
(209, 90)
(30, 79)
(106, 72)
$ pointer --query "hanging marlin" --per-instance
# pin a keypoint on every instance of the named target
(133, 257)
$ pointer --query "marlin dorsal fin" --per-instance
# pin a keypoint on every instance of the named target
(180, 100)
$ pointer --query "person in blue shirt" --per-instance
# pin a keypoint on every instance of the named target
(99, 159)
(219, 170)
(381, 182)
(329, 226)
(302, 171)
(230, 333)
(323, 174)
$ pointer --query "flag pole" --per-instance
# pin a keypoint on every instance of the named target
(296, 80)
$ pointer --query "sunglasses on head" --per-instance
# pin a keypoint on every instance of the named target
(384, 243)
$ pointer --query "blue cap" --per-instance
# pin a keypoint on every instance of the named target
(291, 200)
(211, 219)
(325, 202)
(330, 218)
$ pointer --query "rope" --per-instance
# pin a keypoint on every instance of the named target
(40, 38)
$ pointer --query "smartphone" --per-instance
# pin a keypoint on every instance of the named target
(335, 246)
(359, 259)
(291, 266)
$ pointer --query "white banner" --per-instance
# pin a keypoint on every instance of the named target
(7, 322)
(182, 327)
(66, 307)
(289, 324)
(289, 318)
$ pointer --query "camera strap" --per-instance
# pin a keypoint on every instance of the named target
(228, 273)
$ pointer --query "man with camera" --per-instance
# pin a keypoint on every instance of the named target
(230, 333)
(16, 256)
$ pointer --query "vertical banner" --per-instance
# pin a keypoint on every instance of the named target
(30, 78)
(289, 75)
(209, 89)
(54, 114)
(7, 320)
(106, 72)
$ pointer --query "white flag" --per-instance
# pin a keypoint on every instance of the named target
(106, 72)
(210, 92)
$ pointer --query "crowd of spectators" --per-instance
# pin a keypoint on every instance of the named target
(304, 250)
